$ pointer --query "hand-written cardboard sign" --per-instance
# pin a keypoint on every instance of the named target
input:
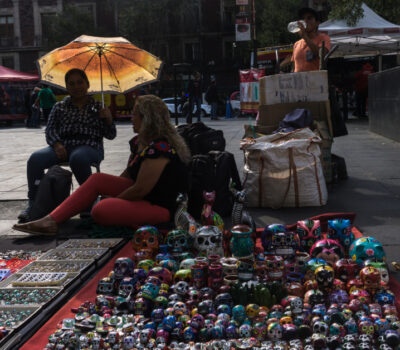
(294, 87)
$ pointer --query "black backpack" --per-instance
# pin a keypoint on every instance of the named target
(201, 139)
(54, 188)
(209, 172)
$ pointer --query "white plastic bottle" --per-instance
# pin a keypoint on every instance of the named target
(293, 27)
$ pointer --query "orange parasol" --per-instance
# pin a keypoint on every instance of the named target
(113, 65)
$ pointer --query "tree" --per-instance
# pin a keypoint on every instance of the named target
(272, 20)
(351, 10)
(66, 26)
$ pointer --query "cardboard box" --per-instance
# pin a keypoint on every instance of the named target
(272, 115)
(294, 87)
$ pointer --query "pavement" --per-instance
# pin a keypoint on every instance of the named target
(372, 190)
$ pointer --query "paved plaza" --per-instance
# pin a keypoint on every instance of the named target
(372, 190)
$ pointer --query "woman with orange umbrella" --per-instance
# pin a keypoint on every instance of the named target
(74, 134)
(146, 192)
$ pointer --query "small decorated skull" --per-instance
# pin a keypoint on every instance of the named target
(209, 241)
(105, 286)
(178, 240)
(309, 232)
(123, 267)
(146, 237)
(274, 331)
(340, 229)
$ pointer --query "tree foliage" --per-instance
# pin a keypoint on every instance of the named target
(66, 26)
(351, 10)
(272, 20)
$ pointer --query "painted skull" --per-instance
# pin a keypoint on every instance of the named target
(105, 286)
(113, 337)
(328, 250)
(311, 266)
(365, 248)
(284, 243)
(320, 327)
(339, 297)
(366, 327)
(314, 297)
(370, 277)
(123, 267)
(209, 241)
(127, 286)
(324, 276)
(274, 331)
(296, 305)
(178, 240)
(269, 230)
(162, 273)
(275, 267)
(381, 267)
(309, 232)
(129, 342)
(150, 291)
(146, 237)
(340, 230)
(346, 269)
(245, 269)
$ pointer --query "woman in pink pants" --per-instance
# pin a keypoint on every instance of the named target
(145, 193)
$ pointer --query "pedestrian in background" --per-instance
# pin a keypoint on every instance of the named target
(35, 118)
(361, 89)
(46, 100)
(212, 97)
(195, 90)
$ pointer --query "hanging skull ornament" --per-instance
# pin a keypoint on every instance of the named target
(328, 250)
(366, 248)
(177, 241)
(123, 267)
(340, 230)
(209, 241)
(309, 231)
(146, 237)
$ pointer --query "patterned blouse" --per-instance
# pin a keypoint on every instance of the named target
(174, 178)
(73, 126)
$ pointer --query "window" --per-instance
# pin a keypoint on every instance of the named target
(191, 52)
(48, 20)
(6, 26)
(7, 61)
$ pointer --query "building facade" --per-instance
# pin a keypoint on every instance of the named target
(24, 30)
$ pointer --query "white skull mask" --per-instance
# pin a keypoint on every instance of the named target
(209, 241)
(181, 288)
(96, 342)
(112, 337)
(275, 332)
(84, 341)
(129, 342)
(296, 305)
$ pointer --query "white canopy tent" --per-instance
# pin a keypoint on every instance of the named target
(371, 35)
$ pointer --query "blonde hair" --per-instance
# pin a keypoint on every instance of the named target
(156, 123)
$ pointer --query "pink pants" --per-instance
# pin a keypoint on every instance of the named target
(110, 211)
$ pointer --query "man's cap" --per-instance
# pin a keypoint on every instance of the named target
(309, 10)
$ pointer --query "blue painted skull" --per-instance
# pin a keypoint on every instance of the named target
(365, 248)
(340, 229)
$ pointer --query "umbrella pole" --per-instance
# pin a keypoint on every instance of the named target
(101, 81)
